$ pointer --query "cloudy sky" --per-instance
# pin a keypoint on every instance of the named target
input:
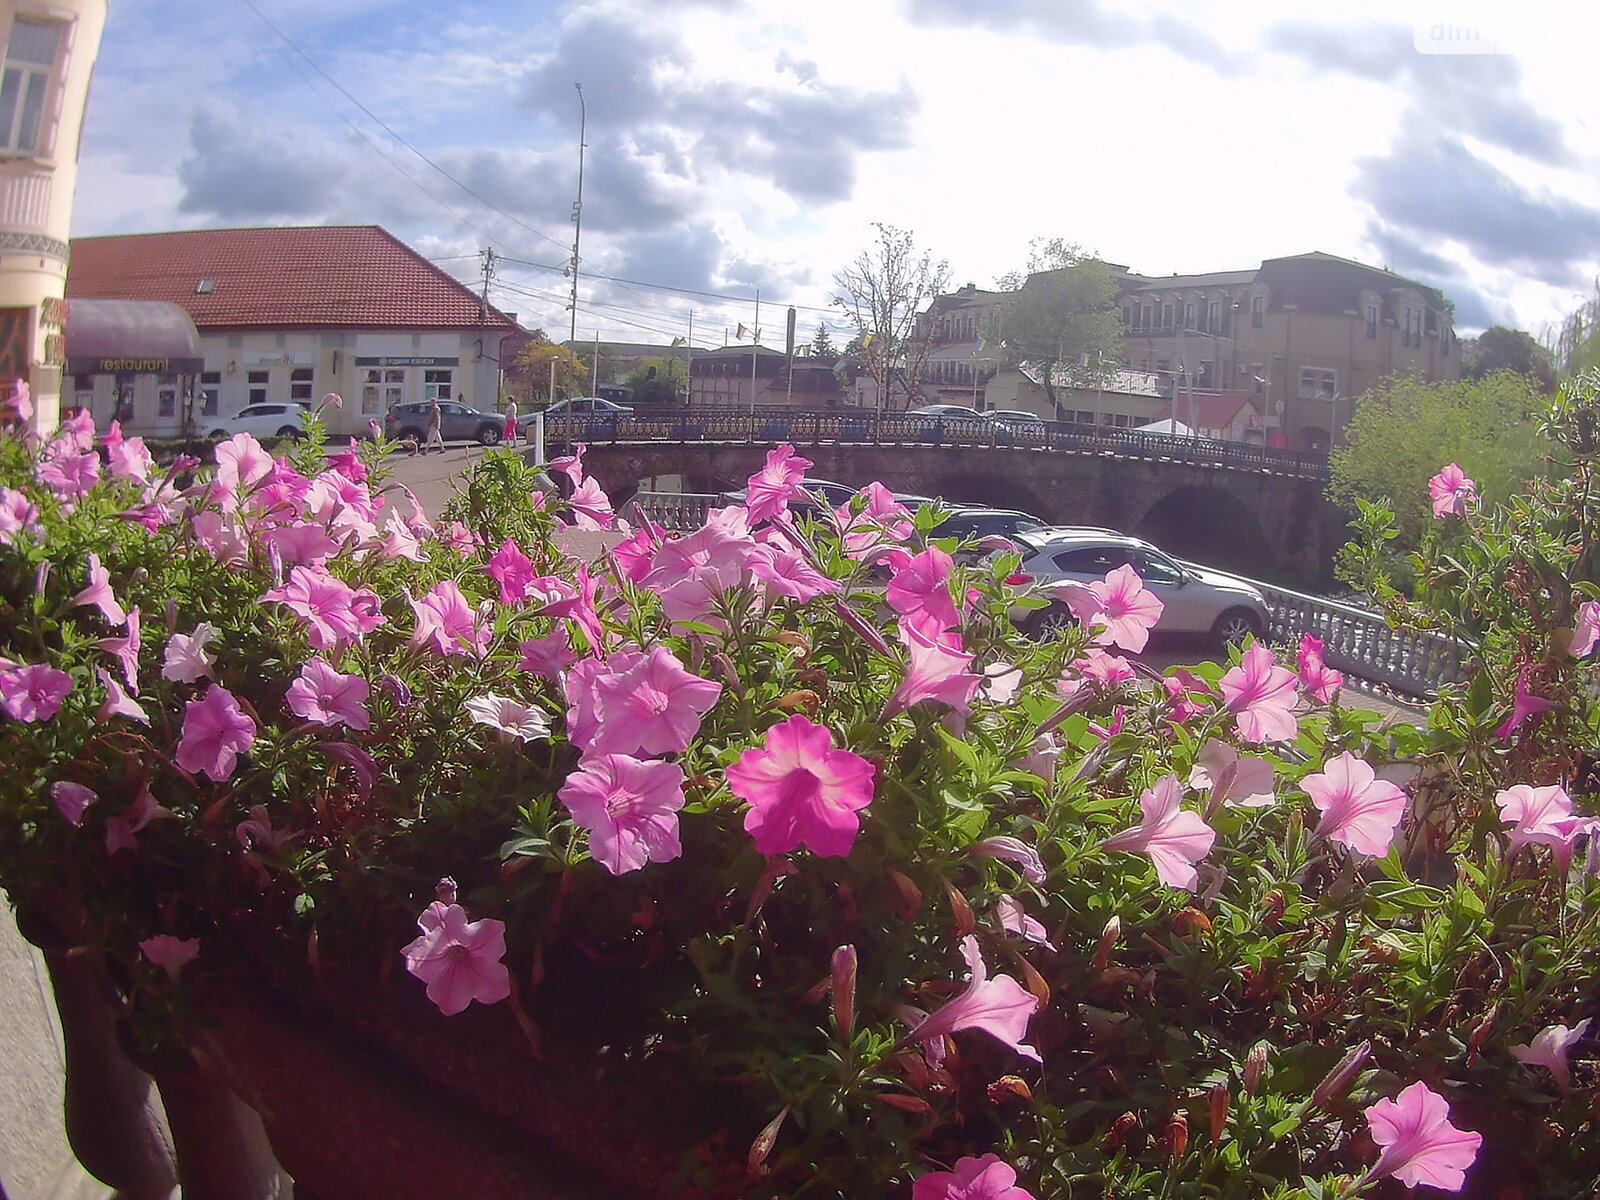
(744, 144)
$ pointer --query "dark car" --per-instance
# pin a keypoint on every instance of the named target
(987, 522)
(457, 423)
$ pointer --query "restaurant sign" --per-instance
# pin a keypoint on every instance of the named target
(407, 360)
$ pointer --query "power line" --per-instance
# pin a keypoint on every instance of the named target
(487, 203)
(667, 287)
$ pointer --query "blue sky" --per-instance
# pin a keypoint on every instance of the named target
(744, 144)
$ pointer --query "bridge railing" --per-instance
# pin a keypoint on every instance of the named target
(848, 426)
(1355, 641)
(1363, 644)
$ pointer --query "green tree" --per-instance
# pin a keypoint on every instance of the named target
(822, 345)
(1576, 345)
(1405, 430)
(1498, 348)
(883, 291)
(533, 372)
(658, 381)
(1062, 311)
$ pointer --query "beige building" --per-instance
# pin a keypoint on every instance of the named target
(50, 50)
(1302, 335)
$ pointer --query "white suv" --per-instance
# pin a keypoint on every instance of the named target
(1195, 599)
(263, 421)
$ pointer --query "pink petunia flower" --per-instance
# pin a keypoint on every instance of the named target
(652, 707)
(458, 960)
(591, 507)
(33, 691)
(1014, 918)
(936, 670)
(583, 705)
(301, 543)
(118, 703)
(122, 829)
(70, 476)
(1419, 1143)
(72, 800)
(883, 522)
(986, 1178)
(98, 593)
(801, 790)
(1174, 839)
(335, 613)
(1181, 686)
(1261, 695)
(1000, 1007)
(242, 462)
(18, 515)
(215, 732)
(125, 649)
(1550, 1048)
(1245, 781)
(323, 696)
(1012, 850)
(1119, 607)
(1358, 809)
(1584, 637)
(447, 624)
(770, 489)
(1524, 704)
(186, 658)
(1318, 680)
(1096, 668)
(630, 808)
(512, 570)
(130, 459)
(170, 953)
(547, 656)
(511, 717)
(1451, 492)
(919, 588)
(787, 573)
(1542, 816)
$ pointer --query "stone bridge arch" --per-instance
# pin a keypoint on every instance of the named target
(1209, 525)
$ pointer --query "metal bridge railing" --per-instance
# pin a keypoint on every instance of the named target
(867, 427)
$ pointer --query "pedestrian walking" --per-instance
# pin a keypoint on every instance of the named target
(435, 426)
(510, 432)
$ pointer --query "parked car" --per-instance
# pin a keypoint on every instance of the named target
(1195, 599)
(263, 421)
(978, 522)
(946, 412)
(1009, 418)
(829, 492)
(457, 423)
(587, 406)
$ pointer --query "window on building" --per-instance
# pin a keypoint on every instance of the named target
(1372, 320)
(210, 391)
(257, 381)
(1166, 316)
(1188, 314)
(1214, 317)
(300, 384)
(1258, 311)
(1258, 376)
(166, 395)
(1128, 312)
(1317, 383)
(1148, 313)
(381, 390)
(1207, 378)
(436, 383)
(25, 83)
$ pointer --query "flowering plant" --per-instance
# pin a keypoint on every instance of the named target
(924, 907)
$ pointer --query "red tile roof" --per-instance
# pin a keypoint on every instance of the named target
(326, 276)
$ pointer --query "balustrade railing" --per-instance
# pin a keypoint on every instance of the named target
(868, 427)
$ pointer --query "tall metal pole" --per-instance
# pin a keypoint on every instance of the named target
(755, 340)
(688, 363)
(594, 379)
(577, 215)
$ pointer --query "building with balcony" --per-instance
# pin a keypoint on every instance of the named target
(751, 377)
(50, 50)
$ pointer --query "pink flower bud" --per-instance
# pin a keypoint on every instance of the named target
(1336, 1083)
(844, 991)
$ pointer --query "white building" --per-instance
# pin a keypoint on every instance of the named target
(288, 314)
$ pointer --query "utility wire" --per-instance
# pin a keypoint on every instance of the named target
(384, 125)
(667, 287)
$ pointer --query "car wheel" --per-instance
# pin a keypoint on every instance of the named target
(1235, 626)
(488, 435)
(1051, 623)
(290, 432)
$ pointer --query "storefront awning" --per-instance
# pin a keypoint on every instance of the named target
(136, 337)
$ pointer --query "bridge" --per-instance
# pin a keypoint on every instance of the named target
(1249, 509)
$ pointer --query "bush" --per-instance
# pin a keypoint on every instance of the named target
(912, 889)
